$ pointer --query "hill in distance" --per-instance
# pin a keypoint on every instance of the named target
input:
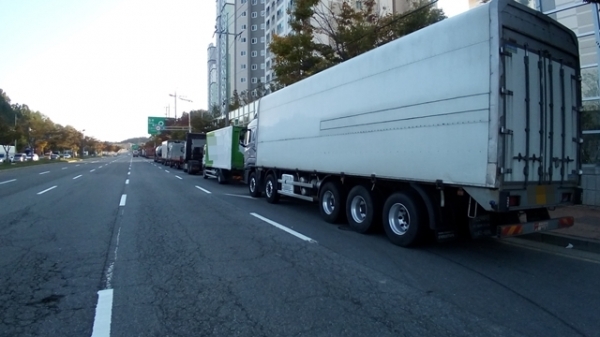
(137, 140)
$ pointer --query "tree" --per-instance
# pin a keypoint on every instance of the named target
(323, 36)
(7, 129)
(296, 55)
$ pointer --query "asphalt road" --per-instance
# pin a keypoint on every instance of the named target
(139, 249)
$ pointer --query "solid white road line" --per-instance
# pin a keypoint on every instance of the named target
(283, 228)
(77, 177)
(45, 172)
(178, 177)
(123, 200)
(8, 181)
(203, 190)
(127, 182)
(239, 196)
(103, 314)
(46, 190)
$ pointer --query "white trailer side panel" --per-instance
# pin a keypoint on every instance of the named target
(220, 147)
(417, 108)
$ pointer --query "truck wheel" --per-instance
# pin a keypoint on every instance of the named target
(331, 202)
(253, 186)
(362, 209)
(403, 220)
(271, 189)
(221, 178)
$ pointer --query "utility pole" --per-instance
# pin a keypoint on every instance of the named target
(175, 97)
(189, 115)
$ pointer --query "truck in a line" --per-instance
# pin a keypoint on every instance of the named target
(164, 151)
(175, 153)
(223, 155)
(194, 152)
(158, 154)
(471, 123)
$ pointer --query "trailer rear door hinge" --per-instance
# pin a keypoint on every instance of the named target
(505, 52)
(506, 92)
(505, 131)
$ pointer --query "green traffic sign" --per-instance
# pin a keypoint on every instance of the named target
(135, 147)
(156, 125)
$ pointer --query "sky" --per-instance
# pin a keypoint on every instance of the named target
(106, 66)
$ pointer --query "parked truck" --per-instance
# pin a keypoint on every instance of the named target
(164, 151)
(223, 156)
(194, 152)
(472, 123)
(175, 154)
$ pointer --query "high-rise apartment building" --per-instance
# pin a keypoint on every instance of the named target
(239, 50)
(213, 84)
(244, 30)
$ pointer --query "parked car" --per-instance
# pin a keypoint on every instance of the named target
(54, 156)
(33, 157)
(19, 157)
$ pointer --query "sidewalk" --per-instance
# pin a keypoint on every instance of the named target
(584, 235)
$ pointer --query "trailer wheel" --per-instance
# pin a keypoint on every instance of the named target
(361, 209)
(403, 219)
(253, 186)
(331, 202)
(221, 177)
(271, 189)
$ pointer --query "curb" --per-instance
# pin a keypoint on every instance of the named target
(562, 240)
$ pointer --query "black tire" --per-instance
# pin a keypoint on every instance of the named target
(362, 217)
(271, 189)
(332, 201)
(221, 177)
(404, 220)
(253, 186)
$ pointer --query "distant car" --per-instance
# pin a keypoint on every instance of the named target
(33, 157)
(19, 157)
(67, 156)
(54, 156)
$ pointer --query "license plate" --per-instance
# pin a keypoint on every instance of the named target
(540, 226)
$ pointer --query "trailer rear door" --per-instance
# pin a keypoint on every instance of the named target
(540, 137)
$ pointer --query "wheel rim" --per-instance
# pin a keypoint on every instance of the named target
(358, 209)
(269, 188)
(399, 219)
(252, 184)
(328, 202)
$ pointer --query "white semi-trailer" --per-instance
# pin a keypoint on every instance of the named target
(472, 121)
